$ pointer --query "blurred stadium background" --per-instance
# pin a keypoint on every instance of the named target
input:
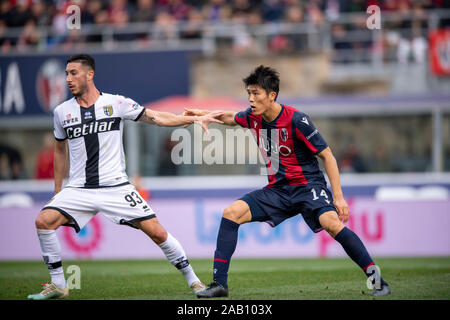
(380, 97)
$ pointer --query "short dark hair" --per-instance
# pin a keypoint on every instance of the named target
(84, 59)
(266, 77)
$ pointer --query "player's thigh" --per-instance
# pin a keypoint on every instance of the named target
(313, 201)
(50, 219)
(124, 205)
(77, 205)
(330, 222)
(238, 211)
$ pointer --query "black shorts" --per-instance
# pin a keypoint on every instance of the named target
(276, 204)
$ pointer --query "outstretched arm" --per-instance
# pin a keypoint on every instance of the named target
(167, 119)
(332, 170)
(227, 117)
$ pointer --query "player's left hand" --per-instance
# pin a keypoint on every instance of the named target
(342, 209)
(207, 118)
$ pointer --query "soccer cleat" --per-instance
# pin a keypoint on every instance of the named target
(383, 291)
(197, 286)
(214, 290)
(51, 291)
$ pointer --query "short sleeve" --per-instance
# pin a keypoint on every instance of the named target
(129, 109)
(307, 132)
(58, 130)
(242, 118)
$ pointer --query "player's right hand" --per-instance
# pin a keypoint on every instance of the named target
(342, 209)
(192, 112)
(210, 117)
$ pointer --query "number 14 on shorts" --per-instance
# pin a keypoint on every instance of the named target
(322, 193)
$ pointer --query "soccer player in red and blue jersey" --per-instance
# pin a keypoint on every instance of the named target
(290, 144)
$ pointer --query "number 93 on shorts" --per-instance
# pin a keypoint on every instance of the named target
(121, 205)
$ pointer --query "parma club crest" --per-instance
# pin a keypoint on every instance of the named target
(108, 110)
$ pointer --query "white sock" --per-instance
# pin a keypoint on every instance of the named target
(175, 254)
(51, 252)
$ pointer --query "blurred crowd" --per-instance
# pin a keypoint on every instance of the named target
(30, 15)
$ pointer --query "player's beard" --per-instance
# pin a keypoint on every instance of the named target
(82, 90)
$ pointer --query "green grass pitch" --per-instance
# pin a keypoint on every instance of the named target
(286, 279)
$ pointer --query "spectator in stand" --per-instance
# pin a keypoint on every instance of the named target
(241, 7)
(217, 10)
(412, 33)
(145, 11)
(44, 163)
(290, 42)
(178, 9)
(194, 25)
(20, 14)
(165, 27)
(88, 19)
(92, 8)
(118, 7)
(119, 13)
(5, 43)
(29, 37)
(59, 27)
(332, 9)
(41, 13)
(340, 43)
(351, 161)
(360, 50)
(5, 11)
(11, 166)
(273, 10)
(120, 21)
(314, 13)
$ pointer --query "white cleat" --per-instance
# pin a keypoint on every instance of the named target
(51, 291)
(198, 286)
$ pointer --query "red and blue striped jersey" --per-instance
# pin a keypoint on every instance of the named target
(289, 145)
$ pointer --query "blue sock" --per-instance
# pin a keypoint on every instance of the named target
(226, 244)
(356, 250)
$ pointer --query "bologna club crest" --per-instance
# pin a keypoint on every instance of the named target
(284, 134)
(51, 87)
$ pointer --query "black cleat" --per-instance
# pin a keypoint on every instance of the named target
(383, 291)
(214, 290)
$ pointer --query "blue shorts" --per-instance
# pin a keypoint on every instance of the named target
(276, 204)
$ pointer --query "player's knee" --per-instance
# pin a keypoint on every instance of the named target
(153, 229)
(331, 224)
(49, 220)
(159, 236)
(231, 213)
(42, 223)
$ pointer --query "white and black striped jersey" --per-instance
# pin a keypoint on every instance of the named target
(95, 142)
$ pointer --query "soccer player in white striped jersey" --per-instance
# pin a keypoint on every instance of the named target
(88, 129)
